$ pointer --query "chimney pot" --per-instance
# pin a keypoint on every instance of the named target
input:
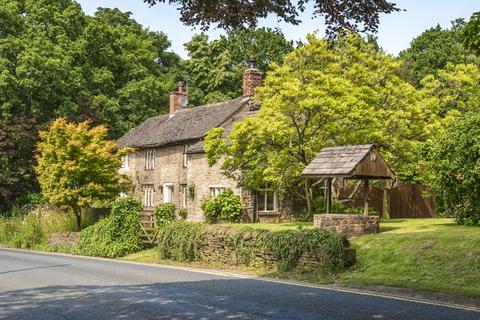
(252, 62)
(252, 77)
(181, 85)
(178, 98)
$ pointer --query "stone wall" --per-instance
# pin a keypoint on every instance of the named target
(64, 239)
(219, 246)
(204, 177)
(351, 225)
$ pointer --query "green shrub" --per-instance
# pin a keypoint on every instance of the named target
(183, 213)
(288, 245)
(165, 212)
(180, 241)
(116, 235)
(226, 206)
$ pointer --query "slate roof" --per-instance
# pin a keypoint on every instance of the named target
(198, 147)
(337, 161)
(184, 125)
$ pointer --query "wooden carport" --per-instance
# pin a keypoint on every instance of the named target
(362, 162)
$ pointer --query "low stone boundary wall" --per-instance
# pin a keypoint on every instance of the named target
(64, 239)
(229, 246)
(351, 225)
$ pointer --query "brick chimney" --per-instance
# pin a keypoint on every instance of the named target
(178, 99)
(252, 77)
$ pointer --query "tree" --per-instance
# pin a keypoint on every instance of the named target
(324, 94)
(454, 88)
(471, 33)
(339, 14)
(433, 50)
(214, 69)
(17, 137)
(454, 167)
(77, 166)
(57, 62)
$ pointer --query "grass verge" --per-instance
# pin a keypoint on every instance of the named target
(423, 254)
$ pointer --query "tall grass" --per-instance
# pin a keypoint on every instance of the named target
(35, 228)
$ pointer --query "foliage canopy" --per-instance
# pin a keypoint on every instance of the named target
(339, 14)
(325, 94)
(214, 68)
(433, 50)
(77, 165)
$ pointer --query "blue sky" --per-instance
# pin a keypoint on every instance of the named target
(395, 32)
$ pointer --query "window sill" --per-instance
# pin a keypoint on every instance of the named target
(268, 212)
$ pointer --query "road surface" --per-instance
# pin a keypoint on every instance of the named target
(40, 286)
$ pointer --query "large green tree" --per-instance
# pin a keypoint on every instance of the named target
(17, 138)
(214, 68)
(56, 61)
(471, 33)
(433, 50)
(325, 94)
(77, 165)
(454, 167)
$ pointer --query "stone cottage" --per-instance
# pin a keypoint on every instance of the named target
(170, 164)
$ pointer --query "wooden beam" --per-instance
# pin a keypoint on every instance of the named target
(328, 196)
(365, 197)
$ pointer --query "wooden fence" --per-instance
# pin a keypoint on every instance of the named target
(409, 201)
(404, 201)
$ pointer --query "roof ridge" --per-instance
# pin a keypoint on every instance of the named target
(186, 124)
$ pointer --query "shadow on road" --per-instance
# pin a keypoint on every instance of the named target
(35, 268)
(209, 299)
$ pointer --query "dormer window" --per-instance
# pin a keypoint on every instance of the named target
(150, 159)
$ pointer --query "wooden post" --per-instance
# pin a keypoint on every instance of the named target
(328, 198)
(365, 197)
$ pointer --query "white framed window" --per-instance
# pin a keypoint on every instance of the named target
(184, 195)
(167, 192)
(150, 159)
(125, 162)
(148, 197)
(266, 201)
(215, 191)
(185, 156)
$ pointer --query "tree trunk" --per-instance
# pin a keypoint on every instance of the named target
(365, 197)
(386, 202)
(309, 196)
(78, 218)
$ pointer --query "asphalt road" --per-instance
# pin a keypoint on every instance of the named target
(38, 286)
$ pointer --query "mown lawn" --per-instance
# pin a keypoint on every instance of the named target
(427, 254)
